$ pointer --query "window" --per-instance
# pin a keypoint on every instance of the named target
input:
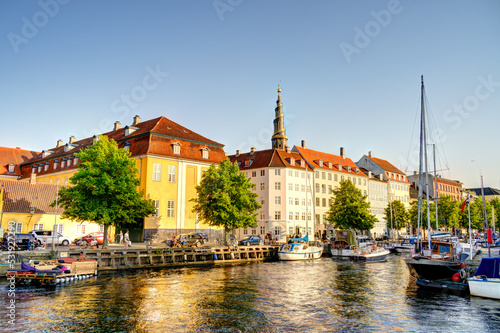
(254, 232)
(316, 174)
(262, 172)
(80, 229)
(309, 216)
(296, 174)
(204, 153)
(58, 181)
(262, 215)
(329, 176)
(297, 216)
(323, 176)
(336, 178)
(45, 168)
(277, 200)
(75, 161)
(290, 201)
(297, 187)
(317, 202)
(277, 186)
(60, 228)
(329, 189)
(277, 172)
(262, 230)
(290, 216)
(297, 201)
(254, 173)
(324, 218)
(156, 203)
(39, 168)
(324, 202)
(323, 188)
(302, 188)
(262, 186)
(317, 188)
(37, 226)
(262, 201)
(329, 202)
(176, 147)
(290, 186)
(12, 168)
(290, 173)
(277, 215)
(65, 181)
(303, 216)
(171, 173)
(359, 181)
(245, 231)
(63, 163)
(303, 174)
(156, 172)
(303, 201)
(171, 208)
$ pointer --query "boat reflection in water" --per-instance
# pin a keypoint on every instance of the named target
(298, 296)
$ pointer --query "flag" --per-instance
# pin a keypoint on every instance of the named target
(464, 203)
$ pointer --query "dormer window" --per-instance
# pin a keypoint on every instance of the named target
(34, 168)
(357, 170)
(292, 161)
(204, 153)
(348, 168)
(40, 167)
(75, 161)
(129, 130)
(320, 163)
(46, 166)
(248, 163)
(94, 139)
(340, 167)
(302, 163)
(63, 163)
(11, 168)
(329, 165)
(56, 163)
(127, 146)
(176, 147)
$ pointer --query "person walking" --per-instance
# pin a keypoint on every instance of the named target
(121, 237)
(127, 240)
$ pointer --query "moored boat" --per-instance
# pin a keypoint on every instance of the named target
(486, 280)
(299, 249)
(407, 245)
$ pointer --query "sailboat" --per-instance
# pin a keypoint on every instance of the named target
(299, 248)
(436, 259)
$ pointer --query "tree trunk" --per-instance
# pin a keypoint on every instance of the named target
(105, 237)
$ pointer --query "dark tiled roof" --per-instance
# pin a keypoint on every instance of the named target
(16, 156)
(487, 191)
(20, 196)
(155, 136)
(267, 158)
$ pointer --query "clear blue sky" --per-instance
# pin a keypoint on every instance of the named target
(349, 71)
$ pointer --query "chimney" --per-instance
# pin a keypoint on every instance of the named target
(342, 153)
(71, 139)
(137, 120)
(303, 143)
(370, 154)
(238, 152)
(59, 143)
(252, 150)
(33, 179)
(117, 125)
(287, 149)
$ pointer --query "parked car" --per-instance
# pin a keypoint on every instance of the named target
(22, 242)
(45, 236)
(204, 235)
(193, 239)
(98, 236)
(251, 240)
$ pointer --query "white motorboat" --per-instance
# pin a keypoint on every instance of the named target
(486, 280)
(299, 249)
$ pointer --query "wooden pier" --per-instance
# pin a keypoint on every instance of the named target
(123, 258)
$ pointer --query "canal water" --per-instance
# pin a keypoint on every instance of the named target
(313, 296)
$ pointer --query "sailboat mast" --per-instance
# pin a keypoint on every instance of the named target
(435, 185)
(485, 216)
(421, 155)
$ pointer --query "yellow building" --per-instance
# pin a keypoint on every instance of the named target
(170, 159)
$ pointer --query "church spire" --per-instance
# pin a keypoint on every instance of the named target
(279, 139)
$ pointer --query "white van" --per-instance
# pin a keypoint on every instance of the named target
(45, 236)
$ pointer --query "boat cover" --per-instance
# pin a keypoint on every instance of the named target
(27, 267)
(490, 267)
(304, 239)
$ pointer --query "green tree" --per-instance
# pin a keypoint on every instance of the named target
(448, 211)
(350, 209)
(413, 214)
(104, 189)
(396, 215)
(224, 198)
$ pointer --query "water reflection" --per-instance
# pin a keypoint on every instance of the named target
(314, 296)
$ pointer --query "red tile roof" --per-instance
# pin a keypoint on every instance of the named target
(16, 156)
(20, 196)
(268, 158)
(385, 165)
(313, 157)
(153, 137)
